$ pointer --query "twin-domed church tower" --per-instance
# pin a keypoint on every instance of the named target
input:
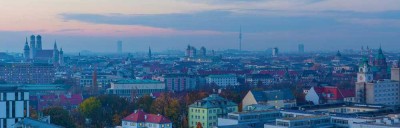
(34, 52)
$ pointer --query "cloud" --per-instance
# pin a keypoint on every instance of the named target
(216, 20)
(373, 22)
(69, 30)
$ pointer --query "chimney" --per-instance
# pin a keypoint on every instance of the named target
(145, 117)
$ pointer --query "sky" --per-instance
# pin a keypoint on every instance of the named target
(97, 25)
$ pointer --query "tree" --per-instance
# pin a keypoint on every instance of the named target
(145, 102)
(198, 125)
(90, 107)
(168, 106)
(33, 113)
(59, 116)
(105, 110)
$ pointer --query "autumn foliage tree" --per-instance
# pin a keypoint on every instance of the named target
(168, 106)
(198, 125)
(145, 103)
(104, 110)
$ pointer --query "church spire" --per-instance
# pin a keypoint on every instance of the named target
(380, 49)
(26, 44)
(55, 44)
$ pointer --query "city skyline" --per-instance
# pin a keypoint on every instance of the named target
(173, 24)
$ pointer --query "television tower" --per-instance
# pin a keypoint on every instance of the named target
(240, 39)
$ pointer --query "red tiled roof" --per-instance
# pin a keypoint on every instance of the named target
(328, 90)
(333, 92)
(279, 73)
(140, 116)
(62, 100)
(157, 119)
(136, 117)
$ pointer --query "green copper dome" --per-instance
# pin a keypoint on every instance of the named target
(380, 54)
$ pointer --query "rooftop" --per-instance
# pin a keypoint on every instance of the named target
(305, 117)
(132, 81)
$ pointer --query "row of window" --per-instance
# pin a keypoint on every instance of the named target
(149, 125)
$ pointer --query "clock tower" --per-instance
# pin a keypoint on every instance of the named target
(364, 72)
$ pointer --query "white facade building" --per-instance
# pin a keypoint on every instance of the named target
(222, 80)
(140, 119)
(126, 88)
(14, 106)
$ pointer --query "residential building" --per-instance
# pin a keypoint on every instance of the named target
(222, 80)
(14, 106)
(67, 101)
(27, 73)
(140, 119)
(329, 94)
(102, 79)
(138, 88)
(180, 82)
(379, 92)
(278, 98)
(301, 48)
(208, 110)
(256, 79)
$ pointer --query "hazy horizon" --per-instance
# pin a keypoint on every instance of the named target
(173, 24)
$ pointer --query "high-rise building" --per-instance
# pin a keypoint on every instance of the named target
(191, 51)
(301, 48)
(208, 110)
(203, 51)
(119, 47)
(240, 39)
(149, 55)
(275, 52)
(14, 106)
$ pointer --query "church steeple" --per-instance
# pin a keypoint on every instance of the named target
(364, 73)
(55, 45)
(56, 54)
(26, 49)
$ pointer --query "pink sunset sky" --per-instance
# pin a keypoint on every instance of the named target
(172, 24)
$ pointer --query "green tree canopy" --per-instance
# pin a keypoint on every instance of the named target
(59, 116)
